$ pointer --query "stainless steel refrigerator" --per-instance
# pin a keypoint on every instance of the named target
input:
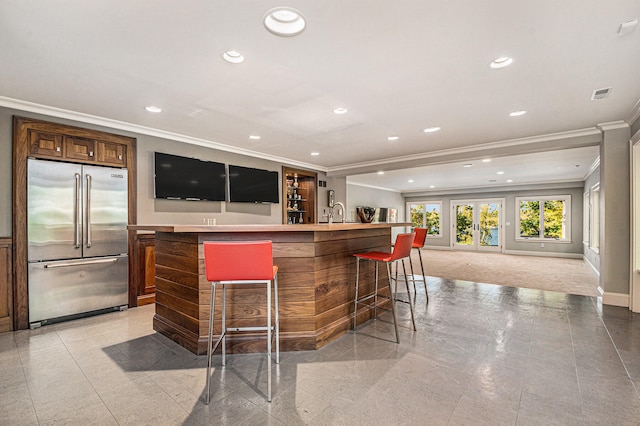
(77, 231)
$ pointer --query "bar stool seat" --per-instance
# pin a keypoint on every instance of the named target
(239, 263)
(401, 250)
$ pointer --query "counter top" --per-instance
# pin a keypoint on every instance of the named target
(265, 227)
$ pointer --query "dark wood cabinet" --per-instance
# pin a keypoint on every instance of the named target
(6, 278)
(145, 268)
(45, 144)
(33, 138)
(299, 196)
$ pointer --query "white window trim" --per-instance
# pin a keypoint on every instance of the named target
(424, 202)
(567, 218)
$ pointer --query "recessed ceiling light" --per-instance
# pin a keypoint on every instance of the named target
(410, 181)
(284, 21)
(393, 138)
(509, 180)
(340, 111)
(254, 137)
(517, 113)
(380, 172)
(315, 153)
(431, 129)
(432, 186)
(467, 165)
(233, 56)
(627, 27)
(486, 160)
(152, 108)
(500, 173)
(501, 62)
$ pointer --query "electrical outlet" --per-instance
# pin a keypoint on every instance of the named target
(542, 245)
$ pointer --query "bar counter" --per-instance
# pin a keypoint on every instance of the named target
(316, 282)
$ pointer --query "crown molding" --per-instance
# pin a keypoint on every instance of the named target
(143, 130)
(572, 139)
(592, 168)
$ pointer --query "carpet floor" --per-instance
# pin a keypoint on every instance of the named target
(572, 276)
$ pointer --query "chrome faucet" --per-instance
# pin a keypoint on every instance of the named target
(339, 204)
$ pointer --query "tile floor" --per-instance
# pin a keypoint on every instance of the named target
(483, 354)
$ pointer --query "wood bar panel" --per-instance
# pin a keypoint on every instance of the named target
(316, 283)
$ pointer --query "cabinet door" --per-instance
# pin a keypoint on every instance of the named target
(145, 273)
(79, 149)
(112, 154)
(45, 144)
(6, 299)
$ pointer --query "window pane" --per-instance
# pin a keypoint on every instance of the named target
(554, 219)
(417, 215)
(529, 218)
(432, 219)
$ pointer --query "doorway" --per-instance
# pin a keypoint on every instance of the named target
(477, 225)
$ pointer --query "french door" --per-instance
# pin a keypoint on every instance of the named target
(477, 224)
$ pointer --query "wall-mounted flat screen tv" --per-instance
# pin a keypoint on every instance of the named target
(247, 185)
(188, 178)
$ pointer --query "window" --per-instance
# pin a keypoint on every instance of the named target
(426, 214)
(594, 223)
(544, 218)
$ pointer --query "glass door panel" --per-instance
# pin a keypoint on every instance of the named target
(478, 225)
(464, 225)
(489, 225)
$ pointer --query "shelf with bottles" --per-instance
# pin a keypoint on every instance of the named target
(299, 193)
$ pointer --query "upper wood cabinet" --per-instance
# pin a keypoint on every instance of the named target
(298, 196)
(77, 149)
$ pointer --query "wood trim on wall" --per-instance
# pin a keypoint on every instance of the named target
(6, 284)
(22, 126)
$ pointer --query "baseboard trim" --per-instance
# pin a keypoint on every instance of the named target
(615, 299)
(544, 254)
(590, 265)
(447, 248)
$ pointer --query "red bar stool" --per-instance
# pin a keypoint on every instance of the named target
(401, 250)
(237, 263)
(418, 243)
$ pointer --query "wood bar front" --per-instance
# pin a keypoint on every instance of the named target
(316, 281)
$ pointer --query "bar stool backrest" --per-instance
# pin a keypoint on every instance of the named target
(238, 260)
(421, 237)
(402, 246)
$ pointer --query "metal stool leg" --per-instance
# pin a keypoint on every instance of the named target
(224, 325)
(424, 277)
(375, 296)
(269, 342)
(275, 290)
(406, 282)
(211, 311)
(415, 292)
(355, 307)
(393, 303)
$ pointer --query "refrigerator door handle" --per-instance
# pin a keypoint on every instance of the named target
(88, 211)
(88, 262)
(78, 214)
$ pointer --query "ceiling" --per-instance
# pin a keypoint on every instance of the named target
(397, 67)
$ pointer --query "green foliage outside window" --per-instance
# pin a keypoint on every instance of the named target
(551, 221)
(464, 225)
(426, 216)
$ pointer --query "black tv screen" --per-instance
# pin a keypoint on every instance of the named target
(188, 178)
(247, 185)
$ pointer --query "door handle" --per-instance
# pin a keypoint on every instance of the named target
(87, 211)
(78, 213)
(88, 262)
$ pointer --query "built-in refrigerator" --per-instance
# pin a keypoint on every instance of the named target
(77, 240)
